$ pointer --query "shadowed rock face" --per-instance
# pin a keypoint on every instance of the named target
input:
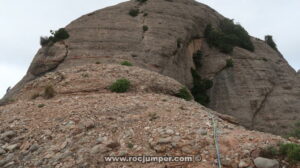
(261, 90)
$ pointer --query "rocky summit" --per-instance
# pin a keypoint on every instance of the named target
(114, 87)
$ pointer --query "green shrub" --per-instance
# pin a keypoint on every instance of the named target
(227, 36)
(120, 86)
(126, 63)
(49, 92)
(134, 12)
(200, 88)
(265, 59)
(141, 1)
(145, 28)
(98, 62)
(130, 145)
(59, 35)
(296, 132)
(269, 40)
(229, 63)
(145, 14)
(197, 58)
(291, 151)
(184, 94)
(41, 105)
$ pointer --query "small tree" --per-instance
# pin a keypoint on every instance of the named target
(229, 63)
(269, 40)
(145, 28)
(59, 35)
(134, 12)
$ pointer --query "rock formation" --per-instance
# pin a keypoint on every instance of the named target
(261, 91)
(85, 122)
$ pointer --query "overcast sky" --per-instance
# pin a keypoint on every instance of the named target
(23, 22)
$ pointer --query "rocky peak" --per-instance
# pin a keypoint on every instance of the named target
(63, 113)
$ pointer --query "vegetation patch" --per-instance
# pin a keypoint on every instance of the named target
(200, 88)
(229, 63)
(184, 94)
(145, 28)
(41, 105)
(197, 58)
(269, 40)
(120, 86)
(130, 145)
(49, 92)
(126, 63)
(134, 12)
(289, 152)
(59, 35)
(227, 36)
(296, 132)
(141, 1)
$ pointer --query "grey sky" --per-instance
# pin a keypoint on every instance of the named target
(22, 23)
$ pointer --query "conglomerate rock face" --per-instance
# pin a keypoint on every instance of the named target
(84, 122)
(262, 91)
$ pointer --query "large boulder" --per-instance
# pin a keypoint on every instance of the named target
(266, 163)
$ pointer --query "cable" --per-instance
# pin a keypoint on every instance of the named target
(216, 142)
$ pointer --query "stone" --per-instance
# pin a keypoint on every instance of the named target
(101, 139)
(243, 164)
(12, 147)
(89, 124)
(187, 150)
(165, 140)
(113, 145)
(8, 134)
(99, 149)
(2, 151)
(266, 163)
(6, 160)
(33, 148)
(170, 132)
(9, 164)
(201, 132)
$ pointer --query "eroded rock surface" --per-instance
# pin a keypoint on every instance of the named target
(262, 91)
